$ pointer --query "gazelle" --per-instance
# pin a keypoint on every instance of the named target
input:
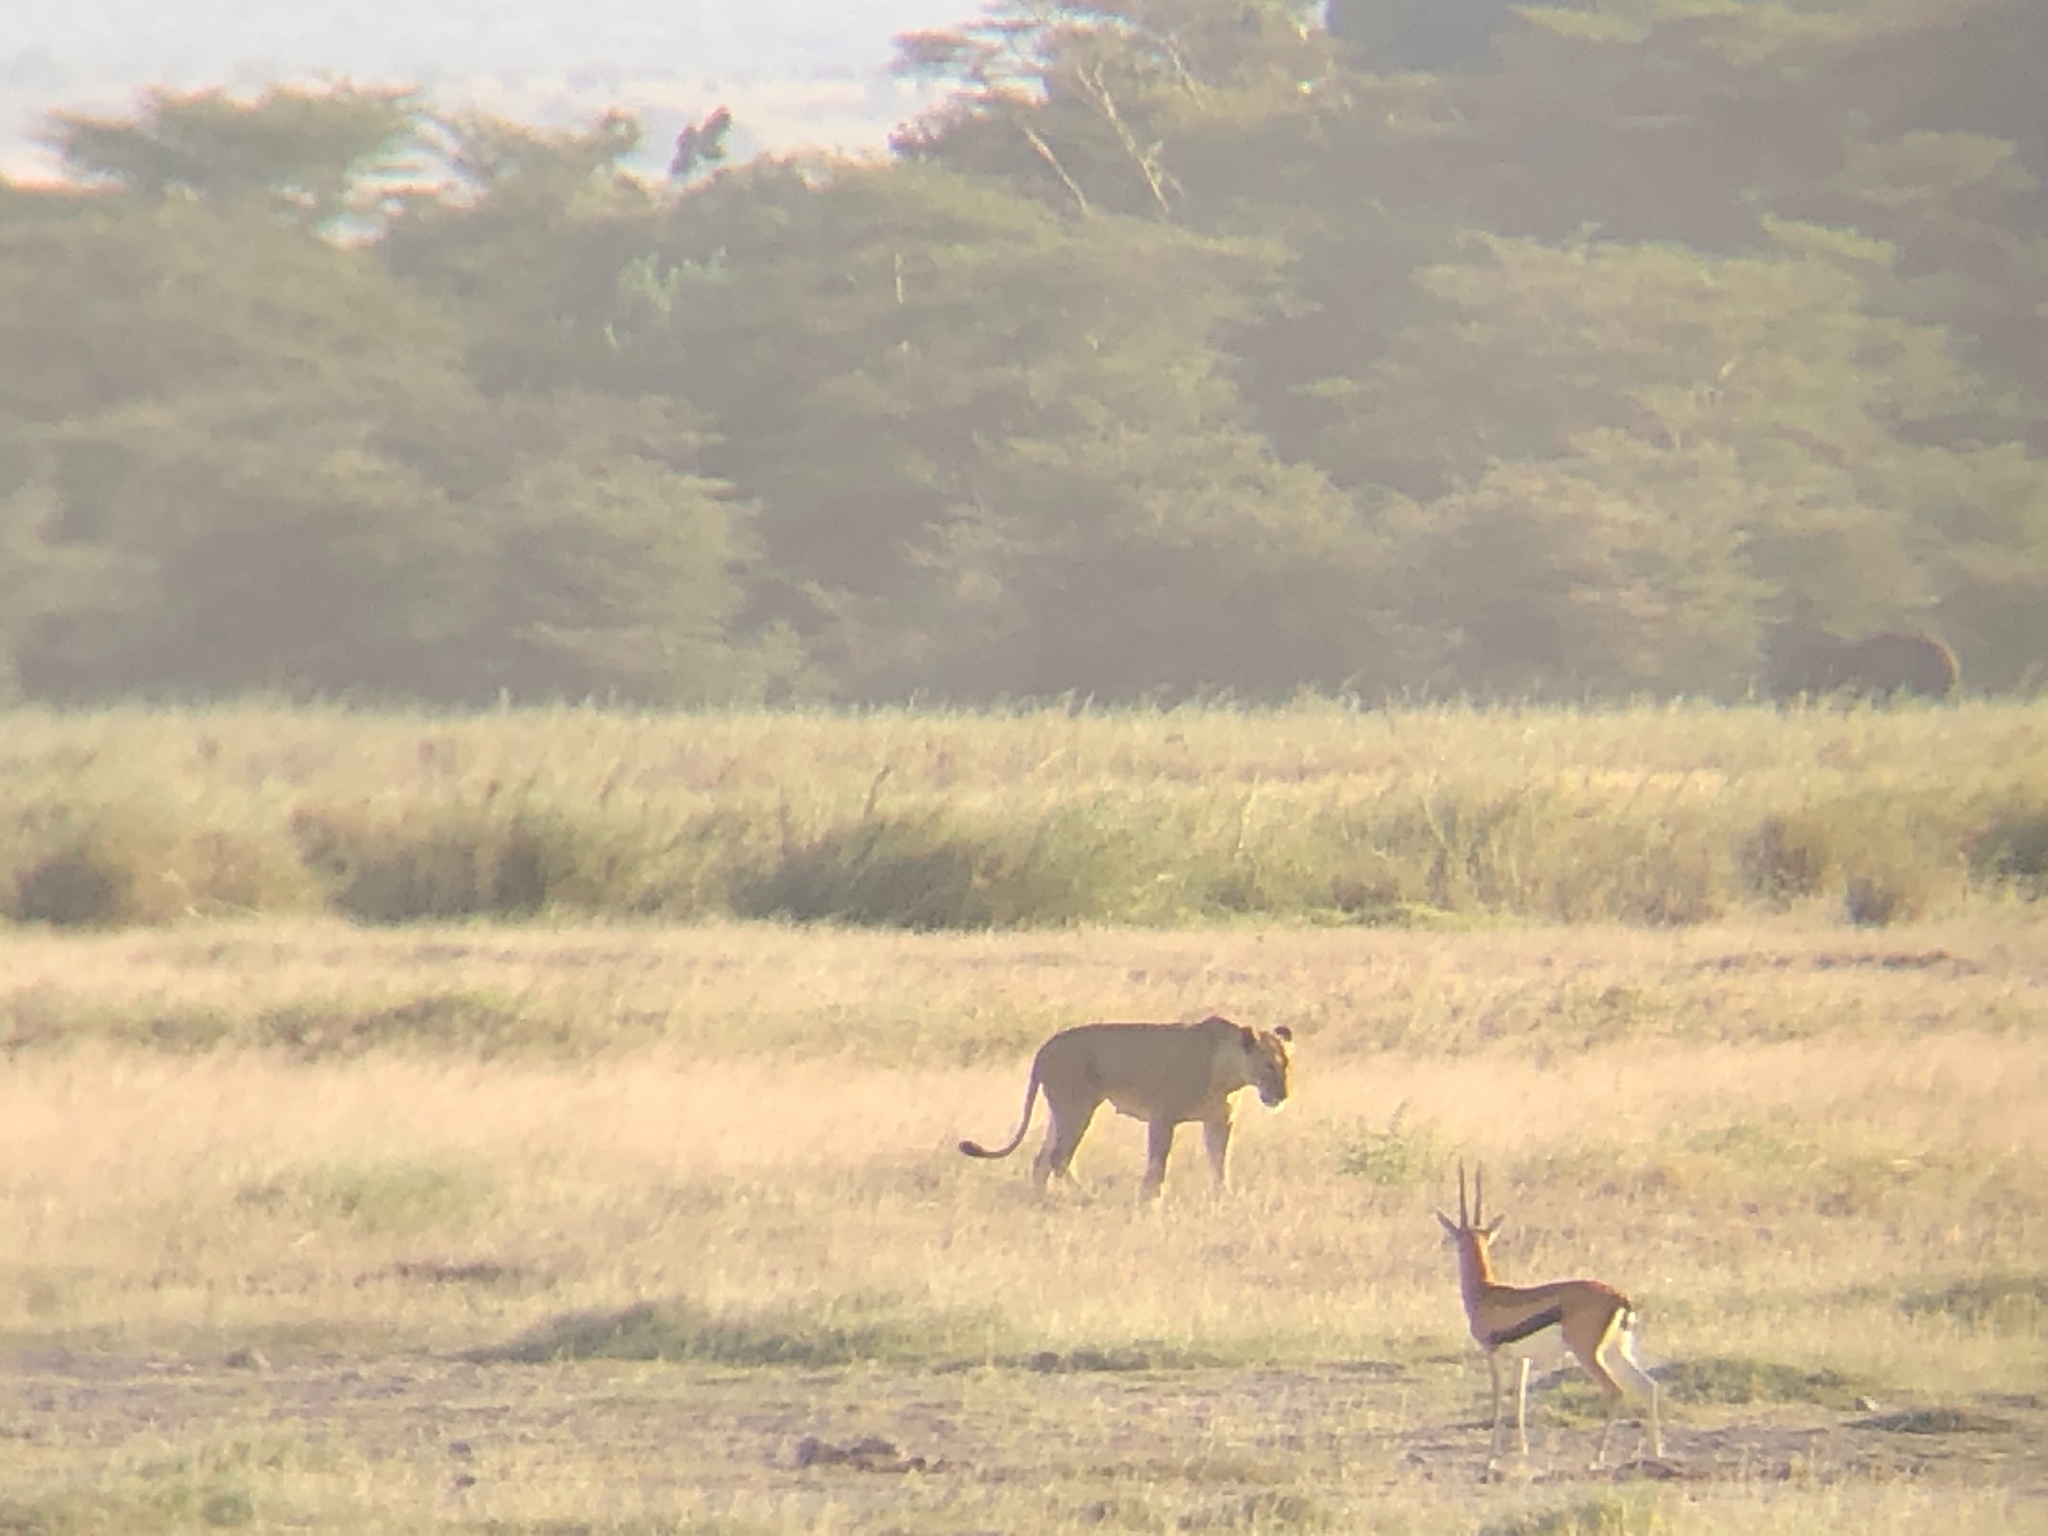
(1595, 1322)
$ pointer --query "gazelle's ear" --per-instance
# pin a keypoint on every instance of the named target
(1450, 1226)
(1493, 1226)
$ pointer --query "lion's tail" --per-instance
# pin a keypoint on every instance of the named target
(976, 1149)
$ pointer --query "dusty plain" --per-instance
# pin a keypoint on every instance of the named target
(649, 1229)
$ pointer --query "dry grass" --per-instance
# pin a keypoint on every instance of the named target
(1816, 1158)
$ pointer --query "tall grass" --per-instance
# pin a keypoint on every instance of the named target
(1319, 812)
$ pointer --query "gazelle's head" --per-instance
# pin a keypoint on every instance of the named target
(1471, 1232)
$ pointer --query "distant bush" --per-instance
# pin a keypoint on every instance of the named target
(427, 863)
(79, 857)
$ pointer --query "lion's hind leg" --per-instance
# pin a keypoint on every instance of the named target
(1070, 1122)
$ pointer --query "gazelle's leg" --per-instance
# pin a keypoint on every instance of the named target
(1595, 1362)
(1522, 1408)
(1493, 1370)
(1607, 1431)
(1631, 1377)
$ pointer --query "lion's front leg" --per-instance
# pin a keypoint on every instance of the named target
(1216, 1137)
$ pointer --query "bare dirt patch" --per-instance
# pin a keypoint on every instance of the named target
(413, 1441)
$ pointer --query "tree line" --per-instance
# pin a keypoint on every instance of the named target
(1191, 348)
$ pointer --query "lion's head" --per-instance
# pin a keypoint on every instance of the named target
(1268, 1059)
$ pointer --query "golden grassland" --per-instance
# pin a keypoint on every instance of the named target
(1042, 817)
(563, 1228)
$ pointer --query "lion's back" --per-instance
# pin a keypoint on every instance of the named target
(1165, 1066)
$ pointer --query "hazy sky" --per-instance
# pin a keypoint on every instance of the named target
(794, 71)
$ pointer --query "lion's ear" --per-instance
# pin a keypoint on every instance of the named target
(1249, 1036)
(1282, 1032)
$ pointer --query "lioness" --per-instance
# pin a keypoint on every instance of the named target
(1163, 1074)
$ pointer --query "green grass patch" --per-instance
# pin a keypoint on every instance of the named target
(403, 1196)
(180, 1507)
(467, 1022)
(1741, 1381)
(1402, 1156)
(2001, 1304)
(1936, 1421)
(1268, 1509)
(829, 1333)
(480, 1025)
(833, 1332)
(1601, 1514)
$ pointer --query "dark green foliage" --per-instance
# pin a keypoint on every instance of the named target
(1188, 350)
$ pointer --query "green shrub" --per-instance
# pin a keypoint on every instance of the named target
(1396, 1158)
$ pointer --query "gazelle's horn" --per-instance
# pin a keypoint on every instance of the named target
(1479, 1196)
(1464, 1215)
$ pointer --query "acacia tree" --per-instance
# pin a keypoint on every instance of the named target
(277, 462)
(307, 155)
(1087, 106)
(983, 431)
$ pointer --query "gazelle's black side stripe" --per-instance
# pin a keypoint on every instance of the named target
(1514, 1333)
